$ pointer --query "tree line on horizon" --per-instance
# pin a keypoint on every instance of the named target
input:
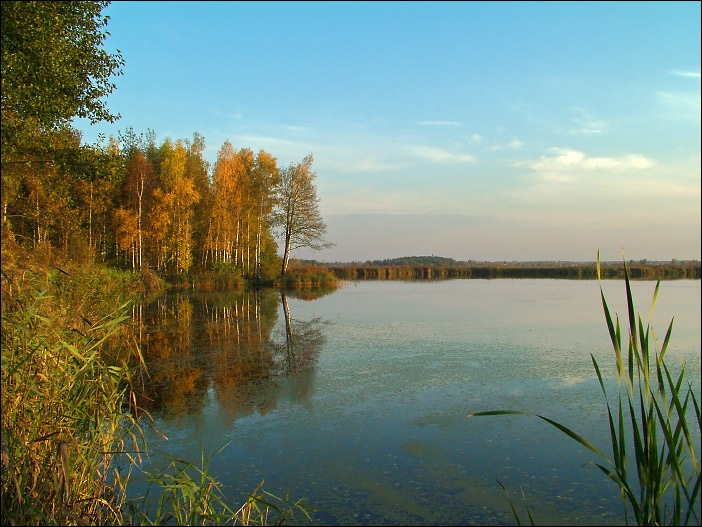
(437, 267)
(441, 261)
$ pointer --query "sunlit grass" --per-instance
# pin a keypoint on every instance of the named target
(653, 425)
(300, 277)
(62, 403)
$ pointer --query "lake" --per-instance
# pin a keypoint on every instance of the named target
(357, 400)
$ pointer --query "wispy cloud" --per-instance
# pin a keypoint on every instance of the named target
(563, 164)
(587, 124)
(439, 155)
(348, 163)
(514, 144)
(439, 123)
(692, 74)
(369, 200)
(570, 186)
(685, 104)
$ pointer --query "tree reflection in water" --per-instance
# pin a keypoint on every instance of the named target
(225, 346)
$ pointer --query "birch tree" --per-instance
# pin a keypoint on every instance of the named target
(297, 214)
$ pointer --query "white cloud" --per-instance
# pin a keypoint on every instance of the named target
(560, 160)
(440, 123)
(631, 187)
(440, 155)
(692, 74)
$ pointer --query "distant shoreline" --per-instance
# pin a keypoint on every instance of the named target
(433, 269)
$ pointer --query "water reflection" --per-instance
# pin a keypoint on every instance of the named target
(226, 345)
(370, 426)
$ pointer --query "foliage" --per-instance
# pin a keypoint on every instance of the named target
(307, 277)
(570, 271)
(130, 203)
(659, 410)
(297, 215)
(53, 64)
(415, 260)
(63, 419)
(54, 68)
(244, 191)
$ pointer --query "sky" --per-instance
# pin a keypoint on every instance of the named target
(480, 131)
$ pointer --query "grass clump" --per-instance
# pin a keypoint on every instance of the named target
(184, 494)
(307, 276)
(656, 415)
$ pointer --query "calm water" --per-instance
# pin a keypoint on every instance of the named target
(357, 401)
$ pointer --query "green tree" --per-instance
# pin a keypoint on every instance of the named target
(297, 214)
(265, 178)
(53, 65)
(53, 69)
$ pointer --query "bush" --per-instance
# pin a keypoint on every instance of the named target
(298, 277)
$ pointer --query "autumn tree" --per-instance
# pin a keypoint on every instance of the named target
(224, 225)
(137, 195)
(197, 169)
(175, 200)
(297, 215)
(53, 69)
(96, 189)
(265, 179)
(243, 197)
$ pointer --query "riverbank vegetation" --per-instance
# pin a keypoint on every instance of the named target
(72, 425)
(85, 230)
(414, 268)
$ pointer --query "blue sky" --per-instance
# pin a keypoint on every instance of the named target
(483, 130)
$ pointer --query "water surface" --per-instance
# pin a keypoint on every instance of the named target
(357, 401)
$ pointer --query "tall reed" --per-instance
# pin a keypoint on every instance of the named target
(71, 433)
(62, 403)
(654, 414)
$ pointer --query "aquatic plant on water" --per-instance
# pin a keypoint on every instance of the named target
(656, 414)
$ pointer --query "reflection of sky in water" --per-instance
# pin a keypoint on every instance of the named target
(377, 432)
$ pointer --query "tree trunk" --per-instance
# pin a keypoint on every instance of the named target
(286, 255)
